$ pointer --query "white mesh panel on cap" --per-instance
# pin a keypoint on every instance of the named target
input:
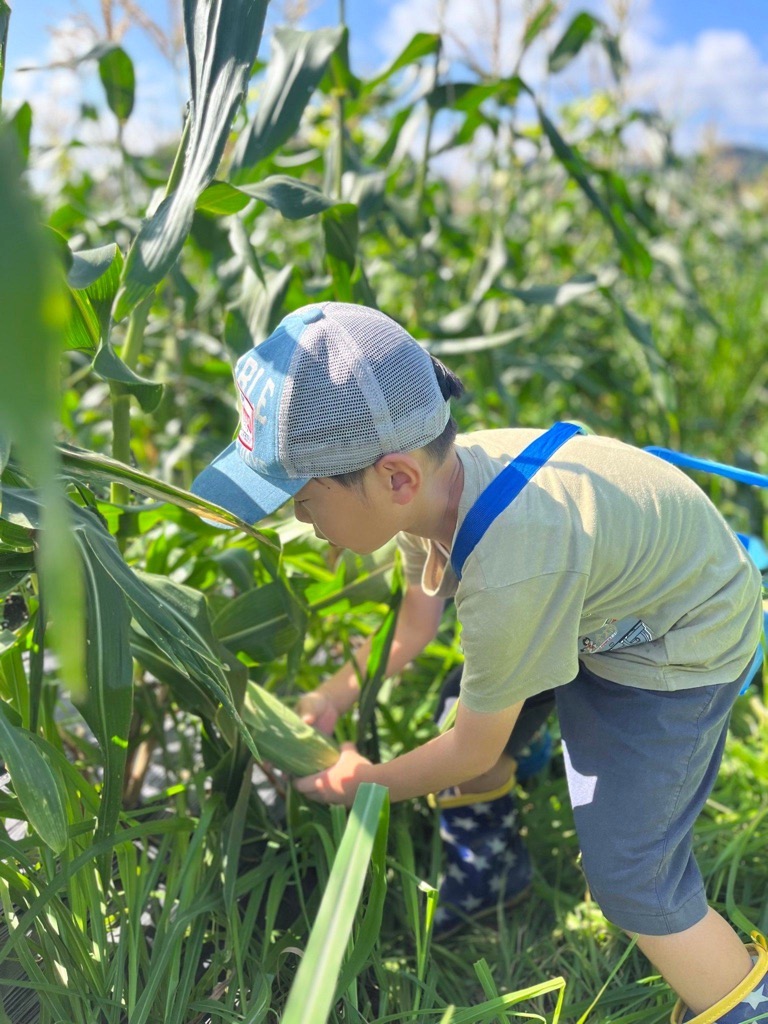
(361, 387)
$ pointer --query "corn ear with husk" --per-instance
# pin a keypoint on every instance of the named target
(281, 737)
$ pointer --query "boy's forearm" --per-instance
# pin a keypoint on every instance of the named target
(436, 765)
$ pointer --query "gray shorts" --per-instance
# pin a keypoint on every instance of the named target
(640, 765)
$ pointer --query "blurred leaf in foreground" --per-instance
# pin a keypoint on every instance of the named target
(35, 312)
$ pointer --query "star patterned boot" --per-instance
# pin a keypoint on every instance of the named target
(748, 1002)
(486, 860)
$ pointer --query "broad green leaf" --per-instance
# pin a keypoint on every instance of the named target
(559, 294)
(189, 694)
(538, 20)
(292, 197)
(579, 32)
(637, 259)
(90, 266)
(341, 231)
(222, 199)
(259, 623)
(21, 122)
(223, 39)
(191, 606)
(92, 467)
(468, 96)
(34, 304)
(339, 79)
(256, 311)
(479, 343)
(15, 566)
(108, 700)
(5, 451)
(315, 986)
(650, 357)
(37, 787)
(161, 619)
(297, 64)
(109, 366)
(423, 44)
(93, 278)
(119, 81)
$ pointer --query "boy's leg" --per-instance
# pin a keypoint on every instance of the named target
(640, 766)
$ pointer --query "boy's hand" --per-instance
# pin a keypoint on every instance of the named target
(317, 709)
(338, 784)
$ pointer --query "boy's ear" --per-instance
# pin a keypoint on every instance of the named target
(402, 476)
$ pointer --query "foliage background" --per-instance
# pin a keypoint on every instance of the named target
(565, 277)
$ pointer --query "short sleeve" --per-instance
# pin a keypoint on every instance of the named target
(520, 639)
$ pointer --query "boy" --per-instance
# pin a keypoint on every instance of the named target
(610, 579)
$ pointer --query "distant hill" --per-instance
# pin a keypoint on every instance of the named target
(740, 163)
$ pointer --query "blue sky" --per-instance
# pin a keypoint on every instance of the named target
(704, 63)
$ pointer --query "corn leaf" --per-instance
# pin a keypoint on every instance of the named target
(297, 64)
(34, 304)
(21, 122)
(108, 365)
(261, 623)
(108, 700)
(292, 197)
(423, 44)
(38, 788)
(93, 467)
(315, 986)
(93, 277)
(222, 42)
(119, 81)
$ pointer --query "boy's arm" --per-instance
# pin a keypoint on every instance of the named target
(470, 748)
(417, 623)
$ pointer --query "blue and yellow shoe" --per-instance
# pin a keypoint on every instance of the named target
(487, 863)
(748, 1002)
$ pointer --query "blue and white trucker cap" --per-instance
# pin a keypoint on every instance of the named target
(331, 390)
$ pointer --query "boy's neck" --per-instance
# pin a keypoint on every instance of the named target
(440, 502)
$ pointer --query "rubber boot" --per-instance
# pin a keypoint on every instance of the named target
(486, 860)
(747, 1002)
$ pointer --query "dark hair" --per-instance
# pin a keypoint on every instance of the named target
(439, 447)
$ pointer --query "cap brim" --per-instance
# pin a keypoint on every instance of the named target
(229, 483)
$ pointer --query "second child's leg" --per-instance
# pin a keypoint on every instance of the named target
(485, 860)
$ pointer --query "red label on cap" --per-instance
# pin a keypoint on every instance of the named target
(245, 437)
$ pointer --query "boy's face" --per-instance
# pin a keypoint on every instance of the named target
(349, 517)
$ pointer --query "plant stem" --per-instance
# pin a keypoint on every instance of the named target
(134, 340)
(421, 187)
(121, 403)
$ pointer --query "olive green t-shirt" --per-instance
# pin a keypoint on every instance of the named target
(609, 556)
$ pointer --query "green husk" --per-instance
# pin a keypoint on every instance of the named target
(282, 738)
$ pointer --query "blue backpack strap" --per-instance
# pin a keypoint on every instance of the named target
(744, 476)
(503, 490)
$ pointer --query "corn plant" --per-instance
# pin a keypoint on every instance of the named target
(570, 283)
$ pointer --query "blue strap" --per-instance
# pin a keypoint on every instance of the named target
(503, 490)
(744, 476)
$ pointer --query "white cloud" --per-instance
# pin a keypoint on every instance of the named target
(56, 95)
(715, 82)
